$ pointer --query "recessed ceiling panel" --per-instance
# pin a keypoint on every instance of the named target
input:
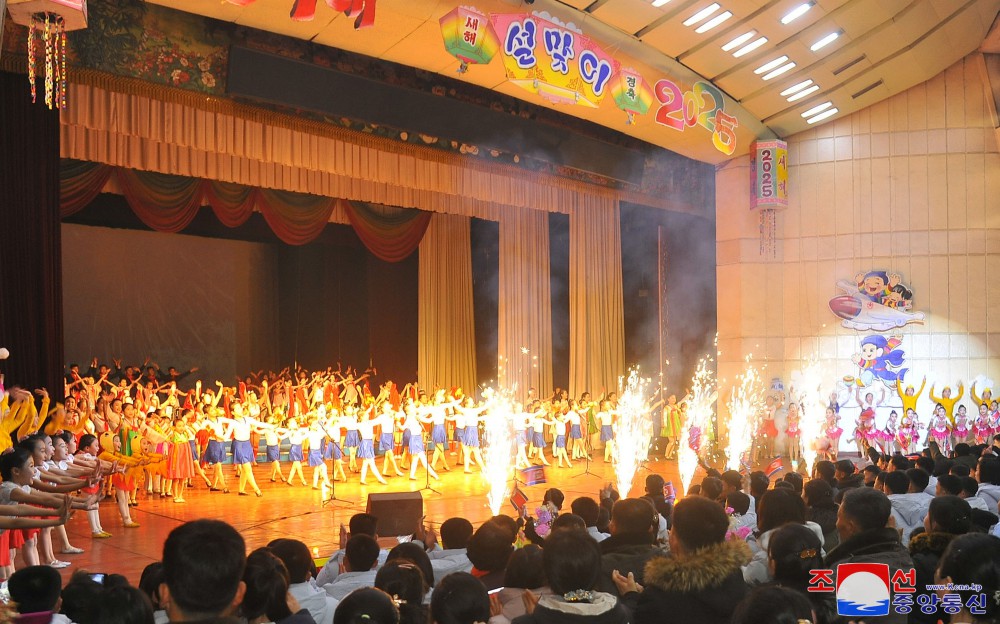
(628, 16)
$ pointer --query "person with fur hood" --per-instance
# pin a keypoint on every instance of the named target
(947, 518)
(701, 580)
(777, 508)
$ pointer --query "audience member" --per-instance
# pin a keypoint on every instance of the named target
(35, 590)
(634, 524)
(711, 488)
(948, 485)
(821, 509)
(773, 605)
(203, 563)
(866, 537)
(759, 482)
(909, 503)
(973, 561)
(988, 475)
(793, 551)
(847, 478)
(869, 473)
(458, 599)
(301, 568)
(405, 582)
(777, 508)
(688, 585)
(359, 524)
(358, 568)
(490, 548)
(588, 509)
(82, 595)
(796, 481)
(125, 605)
(970, 492)
(947, 518)
(963, 456)
(367, 606)
(413, 553)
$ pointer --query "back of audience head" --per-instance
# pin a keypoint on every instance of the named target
(554, 496)
(873, 455)
(778, 507)
(698, 523)
(899, 462)
(35, 589)
(404, 581)
(773, 605)
(759, 482)
(796, 480)
(948, 514)
(780, 485)
(862, 510)
(506, 523)
(81, 597)
(818, 493)
(459, 598)
(793, 550)
(525, 569)
(203, 563)
(588, 509)
(738, 502)
(363, 524)
(572, 561)
(366, 606)
(896, 482)
(826, 470)
(988, 470)
(844, 468)
(360, 553)
(948, 485)
(296, 557)
(568, 521)
(870, 473)
(970, 487)
(490, 547)
(414, 553)
(973, 559)
(124, 605)
(925, 463)
(267, 583)
(711, 487)
(942, 467)
(654, 485)
(962, 449)
(731, 481)
(960, 470)
(634, 516)
(919, 479)
(455, 533)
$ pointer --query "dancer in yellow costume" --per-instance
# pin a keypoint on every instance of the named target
(908, 396)
(947, 402)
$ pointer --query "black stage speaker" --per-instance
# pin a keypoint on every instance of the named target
(398, 513)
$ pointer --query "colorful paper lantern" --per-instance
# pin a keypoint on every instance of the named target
(469, 37)
(553, 59)
(48, 21)
(632, 93)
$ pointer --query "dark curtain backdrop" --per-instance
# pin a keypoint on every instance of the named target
(485, 241)
(30, 250)
(392, 317)
(559, 274)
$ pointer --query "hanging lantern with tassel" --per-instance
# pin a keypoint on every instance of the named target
(48, 21)
(469, 37)
(632, 93)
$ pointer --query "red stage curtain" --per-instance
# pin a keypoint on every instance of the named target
(297, 218)
(390, 233)
(231, 203)
(166, 203)
(80, 181)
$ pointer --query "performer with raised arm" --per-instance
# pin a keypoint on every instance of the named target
(438, 413)
(366, 449)
(386, 439)
(240, 426)
(947, 401)
(470, 444)
(414, 423)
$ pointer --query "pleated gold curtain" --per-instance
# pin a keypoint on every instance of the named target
(446, 343)
(524, 331)
(596, 315)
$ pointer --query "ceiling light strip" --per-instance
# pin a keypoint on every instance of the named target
(822, 116)
(777, 72)
(817, 109)
(797, 12)
(801, 94)
(825, 41)
(768, 66)
(702, 14)
(737, 42)
(750, 47)
(712, 23)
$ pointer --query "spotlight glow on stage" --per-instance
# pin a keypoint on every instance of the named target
(813, 410)
(635, 429)
(746, 403)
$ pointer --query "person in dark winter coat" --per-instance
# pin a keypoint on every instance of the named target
(572, 560)
(847, 477)
(634, 523)
(867, 537)
(821, 509)
(947, 518)
(701, 580)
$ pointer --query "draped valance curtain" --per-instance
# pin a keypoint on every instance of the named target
(168, 203)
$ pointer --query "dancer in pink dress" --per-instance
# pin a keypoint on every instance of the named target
(961, 434)
(833, 433)
(793, 433)
(981, 428)
(887, 437)
(908, 435)
(865, 433)
(939, 431)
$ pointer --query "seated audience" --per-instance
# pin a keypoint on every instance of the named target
(947, 518)
(82, 595)
(124, 605)
(988, 475)
(634, 524)
(490, 548)
(687, 585)
(300, 566)
(588, 509)
(35, 592)
(777, 508)
(404, 581)
(358, 568)
(367, 606)
(821, 509)
(793, 551)
(203, 563)
(450, 555)
(459, 599)
(759, 482)
(773, 605)
(973, 560)
(847, 478)
(412, 552)
(970, 492)
(909, 503)
(525, 572)
(359, 524)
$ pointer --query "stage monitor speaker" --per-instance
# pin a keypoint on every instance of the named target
(398, 513)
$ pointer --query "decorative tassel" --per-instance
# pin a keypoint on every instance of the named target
(47, 30)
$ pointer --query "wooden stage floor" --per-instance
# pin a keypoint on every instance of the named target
(296, 511)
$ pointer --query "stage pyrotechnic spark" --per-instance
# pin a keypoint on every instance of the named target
(813, 410)
(699, 416)
(745, 406)
(635, 429)
(498, 445)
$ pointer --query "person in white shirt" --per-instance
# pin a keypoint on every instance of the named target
(588, 509)
(358, 568)
(301, 569)
(360, 524)
(450, 555)
(909, 501)
(988, 475)
(970, 492)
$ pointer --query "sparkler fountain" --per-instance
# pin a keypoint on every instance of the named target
(635, 429)
(745, 406)
(699, 416)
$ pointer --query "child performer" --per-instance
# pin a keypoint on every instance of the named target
(470, 444)
(296, 436)
(521, 424)
(439, 434)
(606, 418)
(946, 401)
(986, 398)
(386, 439)
(672, 426)
(887, 437)
(414, 424)
(273, 436)
(538, 423)
(833, 432)
(366, 449)
(793, 433)
(240, 427)
(349, 421)
(939, 430)
(180, 464)
(332, 427)
(88, 451)
(560, 425)
(215, 450)
(908, 434)
(574, 418)
(981, 429)
(961, 434)
(317, 441)
(909, 397)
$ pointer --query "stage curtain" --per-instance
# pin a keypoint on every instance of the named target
(525, 304)
(297, 218)
(390, 233)
(446, 341)
(231, 203)
(80, 181)
(166, 203)
(31, 299)
(596, 315)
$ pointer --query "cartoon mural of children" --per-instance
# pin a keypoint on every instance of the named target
(877, 355)
(876, 285)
